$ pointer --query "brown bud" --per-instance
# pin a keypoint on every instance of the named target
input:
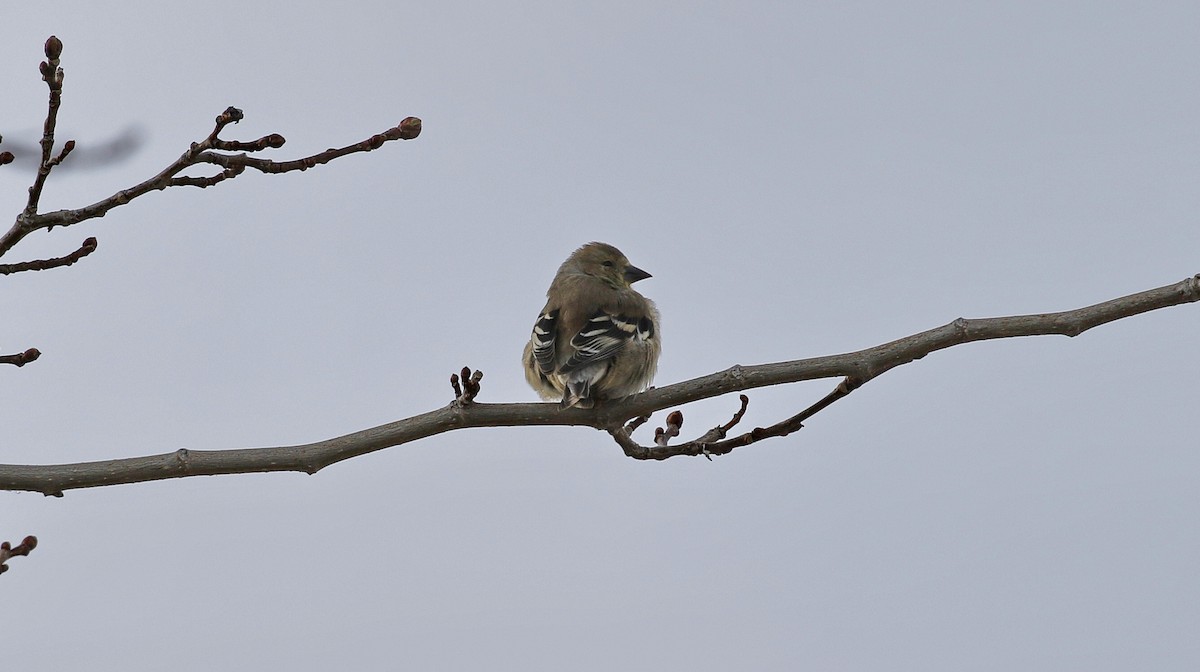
(275, 140)
(230, 115)
(410, 128)
(6, 157)
(53, 48)
(675, 419)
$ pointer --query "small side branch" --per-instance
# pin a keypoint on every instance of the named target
(202, 152)
(84, 250)
(52, 74)
(407, 129)
(21, 358)
(7, 551)
(707, 445)
(784, 427)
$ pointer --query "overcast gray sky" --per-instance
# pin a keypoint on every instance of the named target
(801, 179)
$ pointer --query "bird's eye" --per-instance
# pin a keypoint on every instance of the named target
(608, 264)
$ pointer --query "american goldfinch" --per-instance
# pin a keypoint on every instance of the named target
(597, 338)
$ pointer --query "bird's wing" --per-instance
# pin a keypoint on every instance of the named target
(602, 337)
(543, 341)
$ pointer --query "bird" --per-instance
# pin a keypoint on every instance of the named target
(597, 338)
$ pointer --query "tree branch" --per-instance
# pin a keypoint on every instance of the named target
(21, 358)
(7, 550)
(856, 368)
(210, 150)
(53, 76)
(85, 249)
(713, 441)
(202, 152)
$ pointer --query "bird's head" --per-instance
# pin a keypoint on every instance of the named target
(603, 261)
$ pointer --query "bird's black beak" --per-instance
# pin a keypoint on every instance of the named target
(633, 274)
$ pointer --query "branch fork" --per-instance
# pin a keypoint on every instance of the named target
(707, 444)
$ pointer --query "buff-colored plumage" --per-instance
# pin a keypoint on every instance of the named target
(597, 337)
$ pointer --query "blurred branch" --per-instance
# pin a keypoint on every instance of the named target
(89, 156)
(855, 368)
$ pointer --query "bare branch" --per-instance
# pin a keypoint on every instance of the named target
(202, 152)
(856, 368)
(210, 151)
(7, 550)
(21, 358)
(636, 422)
(85, 249)
(53, 76)
(68, 147)
(706, 445)
(407, 129)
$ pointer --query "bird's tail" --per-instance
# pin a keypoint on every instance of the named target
(578, 395)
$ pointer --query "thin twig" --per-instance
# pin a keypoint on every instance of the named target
(52, 74)
(715, 443)
(7, 550)
(662, 449)
(21, 358)
(405, 130)
(201, 152)
(637, 422)
(84, 250)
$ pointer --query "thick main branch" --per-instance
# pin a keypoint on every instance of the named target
(861, 366)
